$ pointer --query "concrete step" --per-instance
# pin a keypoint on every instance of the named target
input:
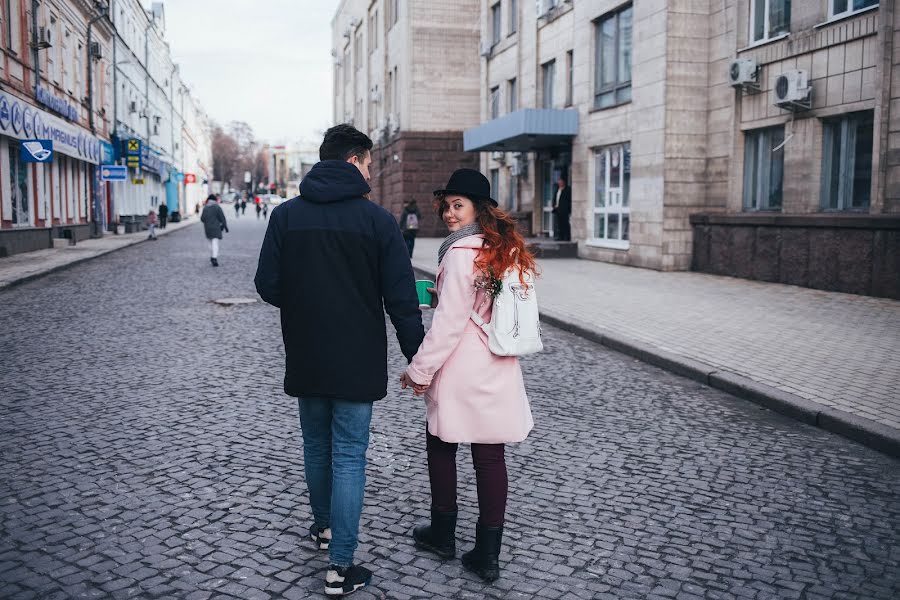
(550, 248)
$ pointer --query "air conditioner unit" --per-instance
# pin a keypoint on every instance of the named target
(487, 48)
(96, 51)
(45, 38)
(354, 22)
(744, 73)
(499, 157)
(544, 7)
(792, 91)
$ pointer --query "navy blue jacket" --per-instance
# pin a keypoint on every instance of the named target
(334, 262)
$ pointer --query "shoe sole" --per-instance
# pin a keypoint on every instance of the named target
(340, 591)
(443, 554)
(321, 545)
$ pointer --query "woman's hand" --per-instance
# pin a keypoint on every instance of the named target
(406, 381)
(434, 296)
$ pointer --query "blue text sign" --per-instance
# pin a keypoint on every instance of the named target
(113, 173)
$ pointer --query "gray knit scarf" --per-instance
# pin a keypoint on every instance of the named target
(454, 237)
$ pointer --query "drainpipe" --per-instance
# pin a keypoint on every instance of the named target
(34, 48)
(104, 12)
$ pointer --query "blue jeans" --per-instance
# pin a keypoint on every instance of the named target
(335, 440)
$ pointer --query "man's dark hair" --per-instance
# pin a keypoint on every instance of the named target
(564, 179)
(343, 141)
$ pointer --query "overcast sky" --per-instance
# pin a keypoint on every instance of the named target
(266, 62)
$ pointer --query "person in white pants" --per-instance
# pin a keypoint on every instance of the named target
(214, 223)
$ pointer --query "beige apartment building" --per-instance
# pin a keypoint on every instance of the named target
(755, 138)
(407, 73)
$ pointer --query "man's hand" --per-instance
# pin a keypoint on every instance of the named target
(406, 381)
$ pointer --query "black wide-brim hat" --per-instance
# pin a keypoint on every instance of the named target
(469, 183)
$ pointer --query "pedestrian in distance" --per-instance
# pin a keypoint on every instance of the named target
(409, 224)
(163, 215)
(237, 207)
(562, 208)
(333, 263)
(471, 395)
(151, 224)
(265, 209)
(243, 206)
(258, 209)
(214, 223)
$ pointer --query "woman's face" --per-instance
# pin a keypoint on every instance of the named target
(460, 212)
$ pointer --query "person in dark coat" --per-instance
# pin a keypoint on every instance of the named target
(214, 223)
(409, 224)
(163, 215)
(334, 263)
(562, 208)
(243, 206)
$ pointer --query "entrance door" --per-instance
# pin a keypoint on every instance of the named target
(548, 193)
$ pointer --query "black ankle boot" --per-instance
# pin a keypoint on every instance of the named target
(484, 559)
(440, 536)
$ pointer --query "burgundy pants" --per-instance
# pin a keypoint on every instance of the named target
(490, 477)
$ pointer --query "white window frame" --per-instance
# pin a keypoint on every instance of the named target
(832, 16)
(766, 37)
(612, 204)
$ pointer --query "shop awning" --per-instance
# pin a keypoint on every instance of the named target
(525, 130)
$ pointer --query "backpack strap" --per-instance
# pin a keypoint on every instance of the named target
(480, 322)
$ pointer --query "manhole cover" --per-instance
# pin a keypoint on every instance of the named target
(234, 301)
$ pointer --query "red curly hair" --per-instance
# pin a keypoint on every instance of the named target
(504, 247)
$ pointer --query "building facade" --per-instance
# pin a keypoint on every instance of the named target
(407, 74)
(70, 74)
(745, 137)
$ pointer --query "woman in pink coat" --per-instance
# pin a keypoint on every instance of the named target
(471, 395)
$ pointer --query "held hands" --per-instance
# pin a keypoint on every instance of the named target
(406, 381)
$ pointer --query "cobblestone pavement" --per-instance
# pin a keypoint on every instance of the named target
(148, 451)
(839, 350)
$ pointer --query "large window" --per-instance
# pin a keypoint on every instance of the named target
(495, 24)
(548, 74)
(769, 19)
(763, 168)
(18, 186)
(495, 183)
(612, 76)
(13, 33)
(513, 17)
(512, 192)
(612, 184)
(494, 102)
(512, 92)
(847, 162)
(842, 8)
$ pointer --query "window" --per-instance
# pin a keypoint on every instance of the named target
(512, 192)
(763, 169)
(346, 66)
(79, 75)
(495, 24)
(612, 75)
(357, 52)
(392, 12)
(847, 162)
(842, 8)
(67, 61)
(570, 79)
(373, 32)
(612, 183)
(13, 33)
(494, 102)
(389, 95)
(495, 183)
(513, 17)
(52, 63)
(18, 186)
(512, 92)
(769, 19)
(548, 73)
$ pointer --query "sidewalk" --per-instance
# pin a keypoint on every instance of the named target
(826, 358)
(20, 268)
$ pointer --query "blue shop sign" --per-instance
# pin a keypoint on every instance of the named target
(57, 105)
(24, 122)
(36, 151)
(107, 153)
(113, 173)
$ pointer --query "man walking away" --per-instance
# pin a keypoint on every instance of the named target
(163, 215)
(214, 223)
(409, 224)
(333, 262)
(563, 210)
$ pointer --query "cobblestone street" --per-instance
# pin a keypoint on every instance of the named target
(148, 451)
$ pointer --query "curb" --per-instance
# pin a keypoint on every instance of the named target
(55, 269)
(859, 429)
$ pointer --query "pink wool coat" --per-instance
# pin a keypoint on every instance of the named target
(475, 396)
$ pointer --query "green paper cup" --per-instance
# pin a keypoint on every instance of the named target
(422, 286)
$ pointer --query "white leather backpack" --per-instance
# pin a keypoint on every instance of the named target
(515, 328)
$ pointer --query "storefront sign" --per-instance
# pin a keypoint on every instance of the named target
(107, 153)
(113, 173)
(138, 181)
(23, 121)
(37, 151)
(57, 105)
(190, 178)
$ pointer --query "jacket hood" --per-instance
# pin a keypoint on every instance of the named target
(333, 181)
